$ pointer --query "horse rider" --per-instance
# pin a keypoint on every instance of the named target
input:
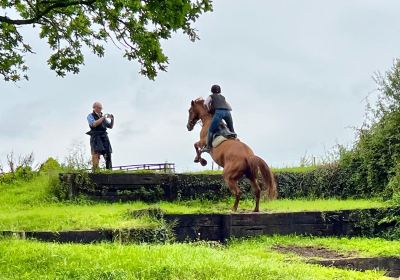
(217, 104)
(99, 141)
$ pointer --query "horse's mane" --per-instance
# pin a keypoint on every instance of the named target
(200, 102)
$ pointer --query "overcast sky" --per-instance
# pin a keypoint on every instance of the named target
(295, 72)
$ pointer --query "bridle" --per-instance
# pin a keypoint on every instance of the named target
(198, 121)
(193, 122)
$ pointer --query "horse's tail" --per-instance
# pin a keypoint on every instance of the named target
(256, 163)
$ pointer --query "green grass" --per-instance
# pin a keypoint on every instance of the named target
(275, 206)
(28, 206)
(298, 169)
(63, 216)
(249, 259)
(204, 172)
(57, 217)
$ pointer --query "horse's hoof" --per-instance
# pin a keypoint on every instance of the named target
(203, 162)
(196, 160)
(256, 210)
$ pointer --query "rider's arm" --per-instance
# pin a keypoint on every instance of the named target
(229, 105)
(208, 103)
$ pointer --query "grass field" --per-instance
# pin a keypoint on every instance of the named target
(240, 259)
(28, 206)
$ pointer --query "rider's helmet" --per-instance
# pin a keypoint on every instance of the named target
(216, 89)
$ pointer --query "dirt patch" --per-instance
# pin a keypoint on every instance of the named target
(344, 260)
(391, 265)
(314, 252)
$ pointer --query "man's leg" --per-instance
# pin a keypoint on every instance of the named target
(229, 121)
(211, 130)
(209, 140)
(107, 157)
(95, 161)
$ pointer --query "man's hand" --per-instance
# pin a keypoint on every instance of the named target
(112, 120)
(99, 121)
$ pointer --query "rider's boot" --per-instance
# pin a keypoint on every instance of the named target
(207, 148)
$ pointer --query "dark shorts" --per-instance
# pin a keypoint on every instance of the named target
(100, 144)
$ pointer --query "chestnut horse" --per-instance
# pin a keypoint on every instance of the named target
(234, 156)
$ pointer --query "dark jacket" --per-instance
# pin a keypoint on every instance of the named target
(219, 102)
(99, 141)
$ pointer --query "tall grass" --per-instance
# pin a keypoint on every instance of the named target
(252, 259)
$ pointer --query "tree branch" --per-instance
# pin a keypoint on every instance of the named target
(45, 12)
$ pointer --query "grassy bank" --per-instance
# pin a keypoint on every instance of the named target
(250, 259)
(61, 216)
(28, 206)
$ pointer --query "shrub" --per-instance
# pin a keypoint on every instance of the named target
(321, 182)
(393, 187)
(24, 172)
(373, 161)
(50, 165)
(19, 170)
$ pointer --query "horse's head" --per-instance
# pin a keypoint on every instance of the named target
(196, 110)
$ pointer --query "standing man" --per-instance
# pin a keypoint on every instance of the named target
(217, 104)
(99, 142)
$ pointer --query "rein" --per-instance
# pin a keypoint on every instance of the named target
(199, 121)
(203, 115)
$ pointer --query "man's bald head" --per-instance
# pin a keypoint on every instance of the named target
(97, 107)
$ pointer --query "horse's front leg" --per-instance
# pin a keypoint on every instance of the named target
(198, 146)
(198, 154)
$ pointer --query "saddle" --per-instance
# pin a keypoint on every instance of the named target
(222, 134)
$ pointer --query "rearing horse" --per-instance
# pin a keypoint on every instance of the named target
(234, 156)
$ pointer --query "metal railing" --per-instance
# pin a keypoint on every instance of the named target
(166, 167)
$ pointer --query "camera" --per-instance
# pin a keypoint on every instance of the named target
(108, 120)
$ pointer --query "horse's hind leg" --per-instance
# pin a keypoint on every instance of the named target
(257, 192)
(233, 186)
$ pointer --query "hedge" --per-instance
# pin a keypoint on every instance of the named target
(323, 182)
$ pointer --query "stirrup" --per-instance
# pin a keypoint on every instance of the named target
(205, 150)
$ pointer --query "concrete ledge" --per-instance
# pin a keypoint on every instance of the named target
(141, 235)
(221, 227)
